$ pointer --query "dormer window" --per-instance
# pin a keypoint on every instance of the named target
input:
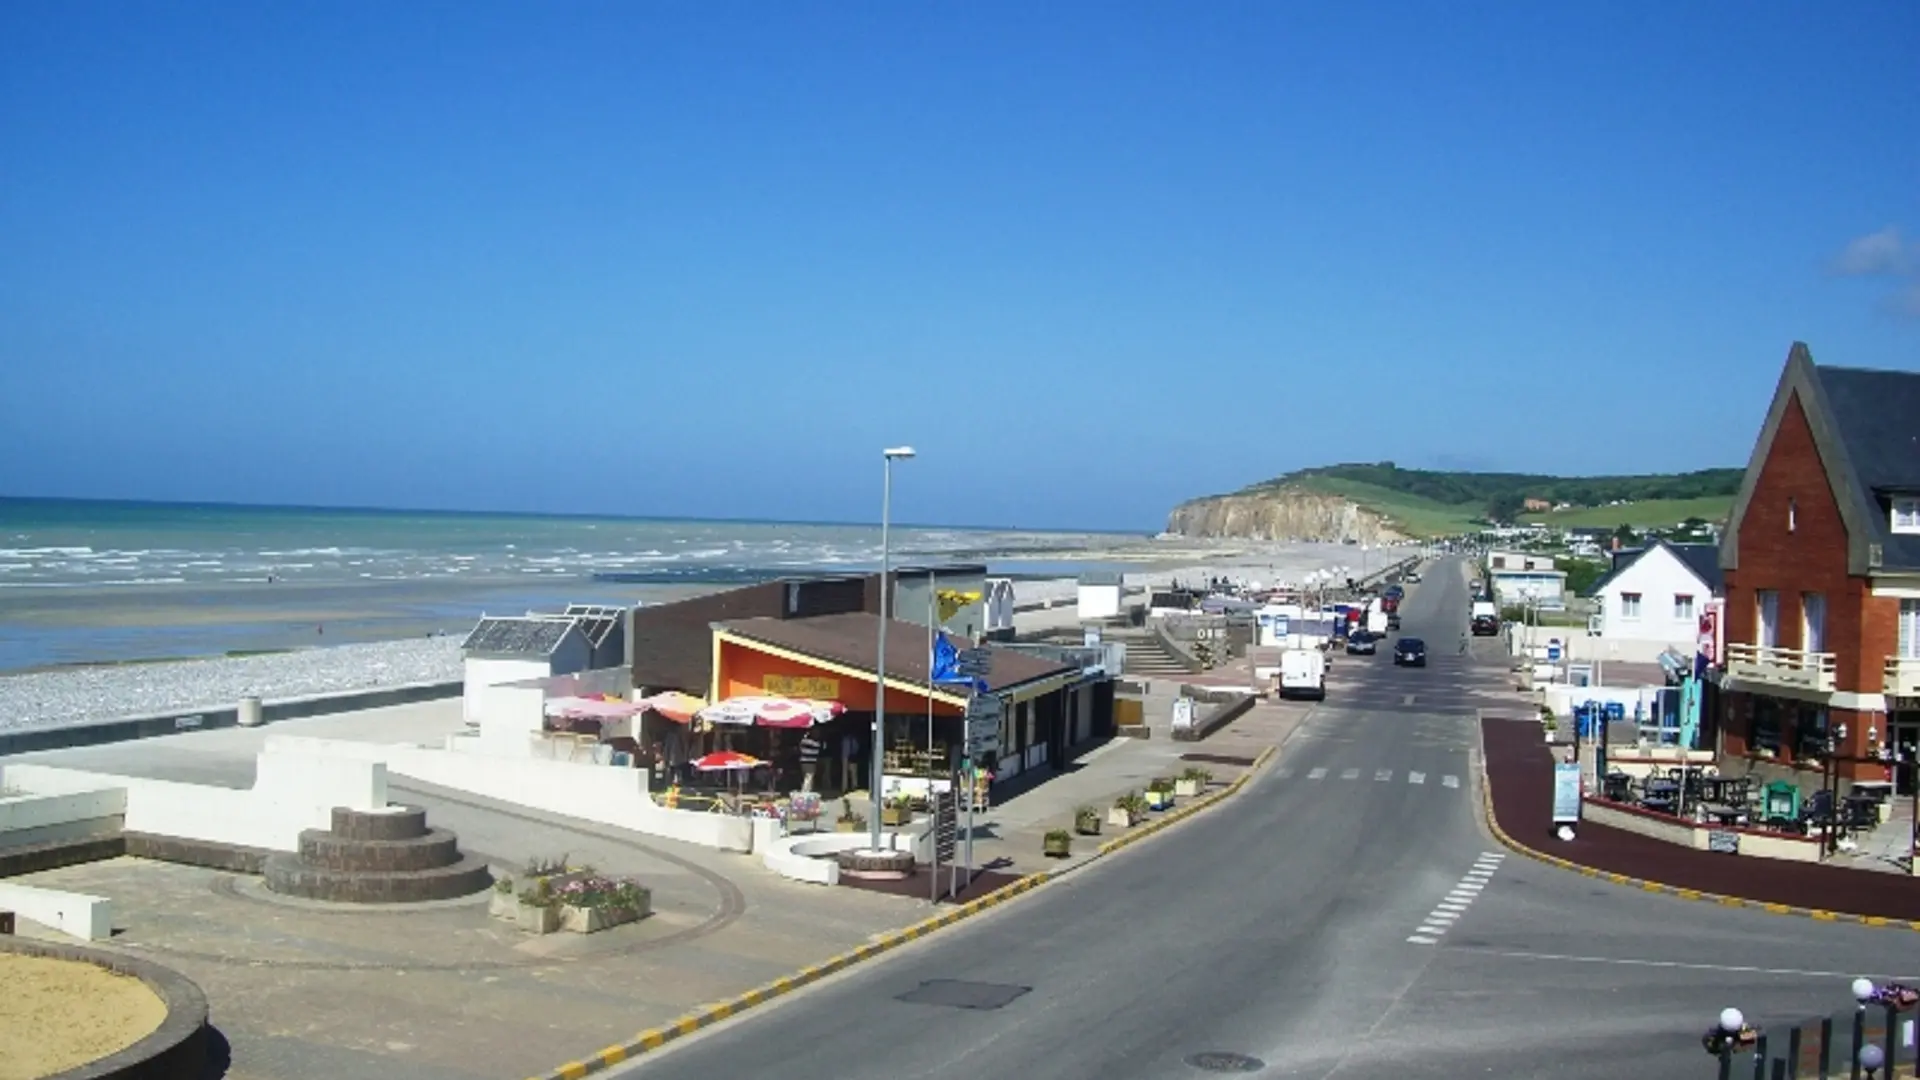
(1906, 515)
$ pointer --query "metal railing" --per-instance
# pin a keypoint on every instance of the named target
(1782, 667)
(1903, 676)
(1873, 1040)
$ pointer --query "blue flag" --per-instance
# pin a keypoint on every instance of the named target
(945, 665)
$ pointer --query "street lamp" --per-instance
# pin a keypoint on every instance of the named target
(1871, 1059)
(1730, 1034)
(878, 763)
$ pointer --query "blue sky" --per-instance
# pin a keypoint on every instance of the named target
(708, 258)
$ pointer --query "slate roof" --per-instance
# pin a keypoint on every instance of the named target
(851, 640)
(1702, 559)
(1877, 415)
(517, 635)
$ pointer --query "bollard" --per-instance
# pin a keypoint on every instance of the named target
(1892, 1041)
(1826, 1044)
(249, 712)
(1859, 1037)
(6, 923)
(1793, 1053)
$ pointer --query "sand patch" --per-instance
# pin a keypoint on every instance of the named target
(58, 1014)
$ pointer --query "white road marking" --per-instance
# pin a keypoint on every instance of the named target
(1380, 775)
(1350, 774)
(1450, 781)
(1416, 778)
(1447, 906)
(1442, 916)
(1470, 886)
(1418, 940)
(1681, 965)
(1431, 928)
(1316, 774)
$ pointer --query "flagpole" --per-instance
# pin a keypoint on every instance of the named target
(933, 598)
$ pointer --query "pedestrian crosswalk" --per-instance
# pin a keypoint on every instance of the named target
(1380, 776)
(1446, 912)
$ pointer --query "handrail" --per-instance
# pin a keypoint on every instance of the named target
(1778, 656)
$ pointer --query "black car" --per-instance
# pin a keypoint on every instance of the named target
(1393, 621)
(1410, 652)
(1361, 643)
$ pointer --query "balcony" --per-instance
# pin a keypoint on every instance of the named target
(1903, 676)
(1793, 668)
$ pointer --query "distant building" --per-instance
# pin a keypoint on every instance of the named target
(514, 648)
(1518, 577)
(1654, 598)
(1533, 504)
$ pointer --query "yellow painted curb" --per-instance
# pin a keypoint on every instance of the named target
(708, 1015)
(1493, 824)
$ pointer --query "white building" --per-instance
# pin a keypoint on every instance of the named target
(1100, 594)
(1517, 577)
(1653, 598)
(518, 648)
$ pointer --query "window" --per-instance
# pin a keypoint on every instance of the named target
(1813, 622)
(1766, 618)
(1499, 562)
(1792, 513)
(1629, 605)
(1909, 646)
(1764, 732)
(1810, 733)
(1682, 607)
(1906, 515)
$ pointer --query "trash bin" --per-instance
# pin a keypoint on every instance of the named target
(249, 712)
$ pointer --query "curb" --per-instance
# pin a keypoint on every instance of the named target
(708, 1015)
(1816, 914)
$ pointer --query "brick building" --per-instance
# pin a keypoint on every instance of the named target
(1822, 564)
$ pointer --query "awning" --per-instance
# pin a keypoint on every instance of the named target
(674, 705)
(771, 712)
(585, 708)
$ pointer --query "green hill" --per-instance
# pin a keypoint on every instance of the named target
(1427, 502)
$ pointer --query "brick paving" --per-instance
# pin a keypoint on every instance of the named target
(1519, 768)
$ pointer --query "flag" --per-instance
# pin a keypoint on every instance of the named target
(952, 600)
(945, 665)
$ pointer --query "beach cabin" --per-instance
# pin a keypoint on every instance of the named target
(1100, 594)
(999, 609)
(517, 648)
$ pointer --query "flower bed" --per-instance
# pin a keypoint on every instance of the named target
(593, 903)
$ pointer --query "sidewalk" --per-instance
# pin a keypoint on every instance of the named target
(1519, 774)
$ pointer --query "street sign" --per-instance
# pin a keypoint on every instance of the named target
(946, 827)
(1553, 650)
(974, 663)
(983, 725)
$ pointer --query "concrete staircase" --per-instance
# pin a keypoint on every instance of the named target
(1148, 659)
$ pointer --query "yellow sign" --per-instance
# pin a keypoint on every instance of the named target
(811, 688)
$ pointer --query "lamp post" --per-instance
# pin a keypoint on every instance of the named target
(878, 764)
(1732, 1023)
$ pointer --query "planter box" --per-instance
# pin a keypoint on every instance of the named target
(1057, 849)
(849, 826)
(503, 905)
(1189, 789)
(583, 920)
(1120, 818)
(1087, 826)
(894, 818)
(538, 920)
(1156, 801)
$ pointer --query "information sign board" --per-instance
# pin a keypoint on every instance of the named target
(1566, 792)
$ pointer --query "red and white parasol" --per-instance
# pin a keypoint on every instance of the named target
(674, 705)
(772, 712)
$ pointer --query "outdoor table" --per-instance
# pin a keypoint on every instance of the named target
(1725, 814)
(1877, 790)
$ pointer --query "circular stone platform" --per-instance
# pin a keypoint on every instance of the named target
(99, 1015)
(883, 864)
(377, 857)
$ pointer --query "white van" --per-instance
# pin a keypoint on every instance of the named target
(1303, 674)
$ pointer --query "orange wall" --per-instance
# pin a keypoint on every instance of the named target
(743, 671)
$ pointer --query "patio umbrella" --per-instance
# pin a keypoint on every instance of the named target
(726, 761)
(674, 705)
(773, 712)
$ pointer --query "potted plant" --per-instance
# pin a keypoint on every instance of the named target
(537, 912)
(897, 811)
(1160, 793)
(1086, 821)
(1549, 725)
(1122, 815)
(1192, 782)
(501, 903)
(1058, 843)
(594, 903)
(848, 821)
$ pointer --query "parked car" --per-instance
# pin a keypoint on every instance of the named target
(1361, 643)
(1410, 652)
(1413, 578)
(1393, 621)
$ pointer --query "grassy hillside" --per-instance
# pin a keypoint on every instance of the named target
(1643, 514)
(1427, 502)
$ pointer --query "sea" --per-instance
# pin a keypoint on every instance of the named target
(85, 582)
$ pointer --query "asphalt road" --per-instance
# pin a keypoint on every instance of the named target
(1341, 918)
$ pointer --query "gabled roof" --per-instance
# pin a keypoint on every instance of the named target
(1877, 414)
(530, 636)
(1702, 560)
(851, 640)
(597, 621)
(1866, 427)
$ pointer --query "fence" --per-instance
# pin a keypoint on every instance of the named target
(1874, 1040)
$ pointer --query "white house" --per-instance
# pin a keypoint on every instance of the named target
(1517, 577)
(1653, 598)
(509, 649)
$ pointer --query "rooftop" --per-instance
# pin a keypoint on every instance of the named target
(851, 640)
(518, 635)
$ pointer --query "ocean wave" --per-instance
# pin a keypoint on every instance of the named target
(91, 584)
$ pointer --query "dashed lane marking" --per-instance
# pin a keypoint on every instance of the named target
(1450, 781)
(1350, 774)
(1382, 775)
(1416, 778)
(1317, 774)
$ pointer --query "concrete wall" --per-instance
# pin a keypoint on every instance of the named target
(48, 819)
(89, 918)
(292, 791)
(1098, 601)
(483, 673)
(599, 793)
(123, 729)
